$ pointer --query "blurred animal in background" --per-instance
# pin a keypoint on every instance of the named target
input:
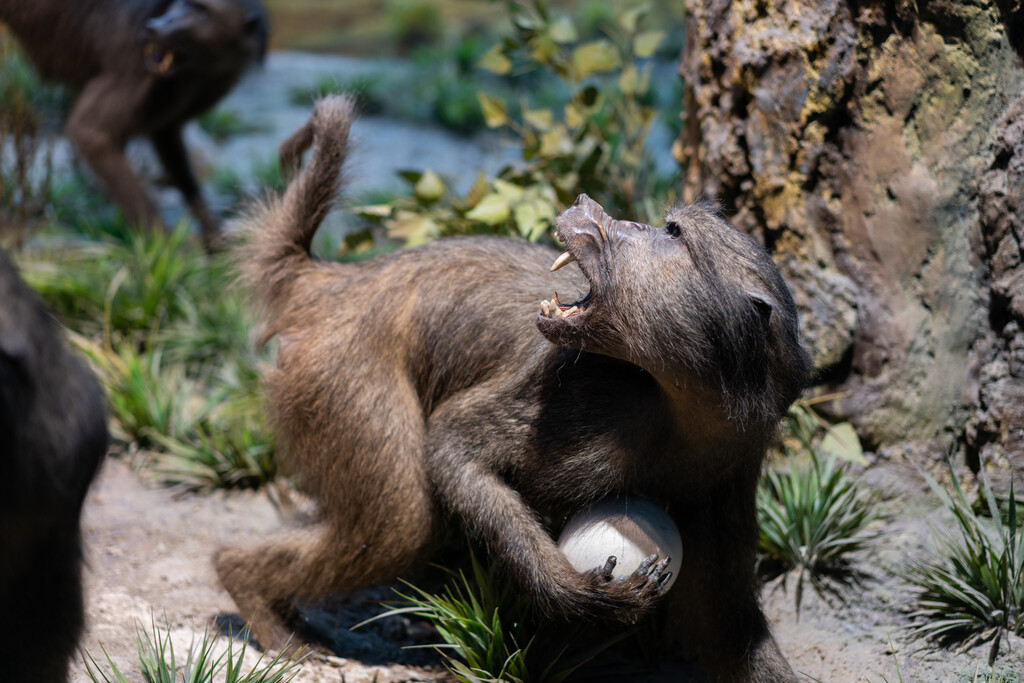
(439, 381)
(140, 68)
(53, 436)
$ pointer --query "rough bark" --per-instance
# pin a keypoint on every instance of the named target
(878, 150)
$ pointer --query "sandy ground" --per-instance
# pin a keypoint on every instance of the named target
(149, 550)
(148, 553)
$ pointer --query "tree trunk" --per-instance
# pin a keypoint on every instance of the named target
(878, 150)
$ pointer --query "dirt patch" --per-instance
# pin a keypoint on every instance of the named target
(148, 553)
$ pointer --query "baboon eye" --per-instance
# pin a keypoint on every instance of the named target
(197, 6)
(673, 230)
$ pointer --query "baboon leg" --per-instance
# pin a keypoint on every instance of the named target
(99, 129)
(379, 517)
(714, 610)
(264, 579)
(307, 564)
(174, 157)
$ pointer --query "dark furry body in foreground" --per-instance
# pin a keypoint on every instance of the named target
(416, 384)
(140, 68)
(53, 436)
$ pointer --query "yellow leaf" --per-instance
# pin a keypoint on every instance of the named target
(533, 218)
(373, 210)
(541, 119)
(631, 18)
(543, 48)
(413, 227)
(494, 110)
(628, 80)
(555, 142)
(492, 210)
(645, 44)
(495, 61)
(573, 116)
(477, 192)
(429, 188)
(563, 31)
(509, 191)
(597, 56)
(841, 441)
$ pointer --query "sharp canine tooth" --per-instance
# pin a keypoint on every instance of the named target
(562, 260)
(554, 299)
(545, 308)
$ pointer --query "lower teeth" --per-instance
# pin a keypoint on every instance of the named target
(551, 309)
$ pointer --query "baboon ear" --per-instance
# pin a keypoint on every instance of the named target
(254, 25)
(763, 304)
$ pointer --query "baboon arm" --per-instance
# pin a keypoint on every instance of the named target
(99, 127)
(512, 530)
(174, 157)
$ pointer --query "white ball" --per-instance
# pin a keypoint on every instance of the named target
(631, 529)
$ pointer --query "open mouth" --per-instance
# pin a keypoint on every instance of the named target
(158, 59)
(553, 308)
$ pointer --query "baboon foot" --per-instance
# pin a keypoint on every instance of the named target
(264, 616)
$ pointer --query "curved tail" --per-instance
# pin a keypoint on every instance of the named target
(278, 232)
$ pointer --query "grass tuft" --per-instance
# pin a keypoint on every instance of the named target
(169, 337)
(491, 632)
(158, 663)
(972, 588)
(811, 520)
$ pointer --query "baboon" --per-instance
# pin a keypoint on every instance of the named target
(446, 380)
(53, 436)
(140, 68)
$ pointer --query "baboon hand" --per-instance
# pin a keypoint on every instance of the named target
(628, 598)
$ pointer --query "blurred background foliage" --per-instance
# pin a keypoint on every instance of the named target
(578, 108)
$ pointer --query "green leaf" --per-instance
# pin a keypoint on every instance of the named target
(563, 31)
(495, 114)
(492, 210)
(841, 441)
(495, 61)
(646, 43)
(594, 57)
(429, 188)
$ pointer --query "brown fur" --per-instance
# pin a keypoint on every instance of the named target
(416, 385)
(52, 438)
(113, 52)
